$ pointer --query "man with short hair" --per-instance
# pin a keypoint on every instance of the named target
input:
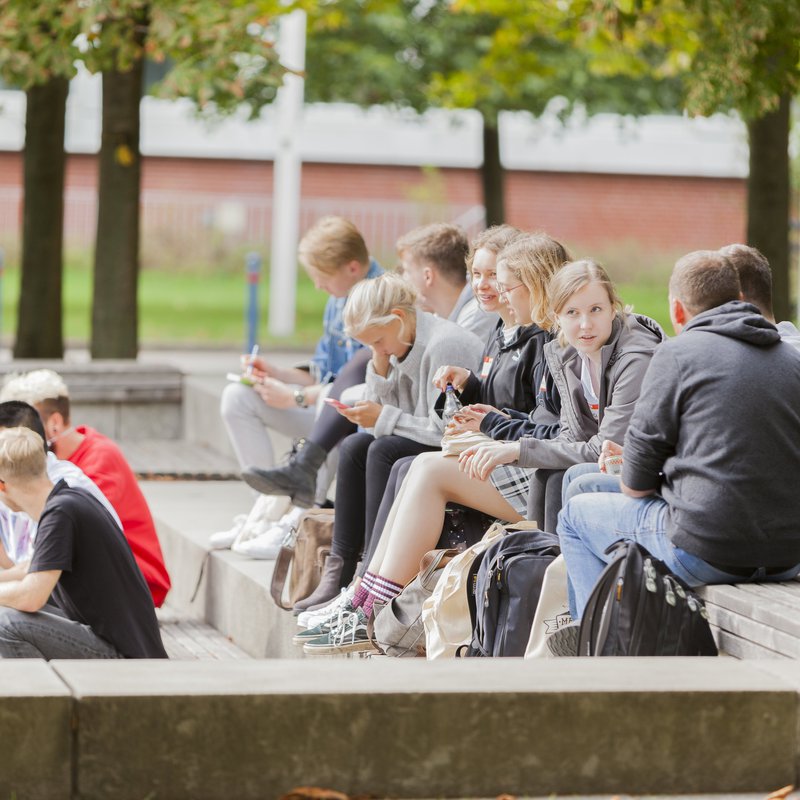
(715, 429)
(102, 461)
(433, 260)
(755, 276)
(81, 564)
(18, 530)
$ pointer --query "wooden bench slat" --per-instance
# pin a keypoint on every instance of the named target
(749, 600)
(737, 647)
(753, 631)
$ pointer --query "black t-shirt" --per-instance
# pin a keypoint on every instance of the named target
(100, 584)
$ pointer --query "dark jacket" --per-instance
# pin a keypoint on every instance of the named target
(511, 379)
(717, 433)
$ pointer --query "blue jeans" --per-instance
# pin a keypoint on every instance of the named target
(582, 478)
(589, 523)
(49, 634)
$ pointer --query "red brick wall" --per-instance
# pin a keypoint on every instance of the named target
(663, 213)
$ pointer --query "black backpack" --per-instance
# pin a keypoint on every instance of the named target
(639, 608)
(506, 581)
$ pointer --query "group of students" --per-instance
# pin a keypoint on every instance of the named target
(562, 377)
(83, 569)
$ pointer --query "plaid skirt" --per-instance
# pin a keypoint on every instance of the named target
(513, 483)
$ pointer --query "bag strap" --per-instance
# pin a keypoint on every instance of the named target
(433, 560)
(279, 575)
(595, 620)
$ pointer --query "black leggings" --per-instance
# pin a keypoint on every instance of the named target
(331, 427)
(365, 464)
(544, 498)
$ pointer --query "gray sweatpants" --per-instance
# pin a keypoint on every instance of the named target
(249, 420)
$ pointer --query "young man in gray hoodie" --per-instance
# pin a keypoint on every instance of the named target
(715, 428)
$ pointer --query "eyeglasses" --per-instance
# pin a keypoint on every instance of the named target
(503, 291)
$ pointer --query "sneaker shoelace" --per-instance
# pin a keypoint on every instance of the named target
(346, 630)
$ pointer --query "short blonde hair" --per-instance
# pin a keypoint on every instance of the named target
(330, 244)
(21, 454)
(371, 303)
(493, 239)
(572, 278)
(534, 259)
(42, 388)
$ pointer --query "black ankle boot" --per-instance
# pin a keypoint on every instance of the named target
(297, 479)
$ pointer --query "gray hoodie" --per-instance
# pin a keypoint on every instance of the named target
(717, 433)
(625, 359)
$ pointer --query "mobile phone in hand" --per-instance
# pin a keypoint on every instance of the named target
(336, 403)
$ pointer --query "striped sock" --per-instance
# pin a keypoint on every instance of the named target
(382, 589)
(363, 589)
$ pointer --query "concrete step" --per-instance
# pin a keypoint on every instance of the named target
(178, 459)
(416, 729)
(222, 588)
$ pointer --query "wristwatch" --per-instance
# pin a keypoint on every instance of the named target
(300, 398)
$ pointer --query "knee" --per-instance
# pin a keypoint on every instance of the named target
(10, 619)
(236, 399)
(355, 447)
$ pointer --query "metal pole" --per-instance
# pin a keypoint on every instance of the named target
(253, 271)
(286, 178)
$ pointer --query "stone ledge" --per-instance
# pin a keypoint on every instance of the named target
(417, 729)
(233, 595)
(36, 715)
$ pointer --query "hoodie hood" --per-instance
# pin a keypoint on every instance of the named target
(737, 320)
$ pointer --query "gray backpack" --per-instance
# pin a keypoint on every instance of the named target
(506, 581)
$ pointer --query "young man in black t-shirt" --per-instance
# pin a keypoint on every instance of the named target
(99, 604)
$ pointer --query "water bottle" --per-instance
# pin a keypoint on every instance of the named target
(452, 405)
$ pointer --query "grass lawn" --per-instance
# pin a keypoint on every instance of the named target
(208, 308)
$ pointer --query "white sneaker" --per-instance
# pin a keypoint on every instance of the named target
(222, 540)
(310, 619)
(264, 539)
(266, 545)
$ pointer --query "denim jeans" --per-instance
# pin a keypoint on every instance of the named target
(582, 478)
(49, 634)
(589, 523)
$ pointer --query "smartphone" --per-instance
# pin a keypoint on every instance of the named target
(336, 403)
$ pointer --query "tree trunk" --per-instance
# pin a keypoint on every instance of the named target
(492, 175)
(768, 199)
(116, 259)
(39, 322)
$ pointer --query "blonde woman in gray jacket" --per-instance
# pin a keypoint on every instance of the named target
(408, 347)
(597, 364)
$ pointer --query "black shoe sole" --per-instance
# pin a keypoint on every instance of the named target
(256, 480)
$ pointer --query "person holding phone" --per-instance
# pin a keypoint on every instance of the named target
(408, 346)
(335, 257)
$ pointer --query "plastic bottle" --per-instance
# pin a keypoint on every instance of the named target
(452, 405)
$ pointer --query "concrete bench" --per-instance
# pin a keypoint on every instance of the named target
(226, 590)
(756, 620)
(477, 728)
(122, 399)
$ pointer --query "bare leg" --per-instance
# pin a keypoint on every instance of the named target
(383, 542)
(415, 524)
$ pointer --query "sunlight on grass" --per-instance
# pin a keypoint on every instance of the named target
(208, 309)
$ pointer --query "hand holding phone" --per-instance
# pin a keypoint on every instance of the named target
(336, 403)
